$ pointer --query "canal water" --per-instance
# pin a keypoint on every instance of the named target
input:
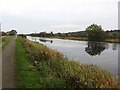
(104, 55)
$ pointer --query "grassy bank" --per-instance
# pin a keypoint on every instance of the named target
(49, 69)
(26, 75)
(72, 38)
(113, 41)
(4, 41)
(85, 39)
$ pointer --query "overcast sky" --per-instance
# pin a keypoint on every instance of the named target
(27, 16)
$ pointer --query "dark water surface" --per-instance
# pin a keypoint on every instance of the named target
(104, 55)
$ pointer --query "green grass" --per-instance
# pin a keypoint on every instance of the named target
(29, 76)
(54, 71)
(26, 75)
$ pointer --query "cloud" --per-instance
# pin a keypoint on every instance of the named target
(60, 15)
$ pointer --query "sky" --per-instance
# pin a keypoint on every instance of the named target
(30, 16)
(119, 16)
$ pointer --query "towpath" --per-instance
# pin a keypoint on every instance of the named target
(8, 65)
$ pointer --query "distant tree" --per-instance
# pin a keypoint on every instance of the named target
(3, 33)
(13, 32)
(66, 34)
(115, 35)
(43, 34)
(51, 33)
(95, 33)
(22, 35)
(59, 34)
(119, 36)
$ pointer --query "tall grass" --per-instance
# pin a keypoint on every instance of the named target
(5, 40)
(57, 72)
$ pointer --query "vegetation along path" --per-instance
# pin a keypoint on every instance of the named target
(8, 66)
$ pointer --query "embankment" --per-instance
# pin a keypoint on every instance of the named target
(41, 67)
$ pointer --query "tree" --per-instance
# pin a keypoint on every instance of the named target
(115, 35)
(3, 33)
(13, 32)
(51, 33)
(43, 34)
(95, 33)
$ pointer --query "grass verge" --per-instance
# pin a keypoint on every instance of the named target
(26, 75)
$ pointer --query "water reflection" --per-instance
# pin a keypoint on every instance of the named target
(114, 46)
(95, 48)
(106, 45)
(34, 39)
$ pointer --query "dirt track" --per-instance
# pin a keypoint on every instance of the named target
(8, 66)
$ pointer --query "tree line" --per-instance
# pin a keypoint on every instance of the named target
(93, 32)
(12, 32)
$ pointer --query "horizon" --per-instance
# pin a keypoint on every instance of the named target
(56, 32)
(58, 16)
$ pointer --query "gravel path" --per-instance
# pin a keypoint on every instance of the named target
(8, 66)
